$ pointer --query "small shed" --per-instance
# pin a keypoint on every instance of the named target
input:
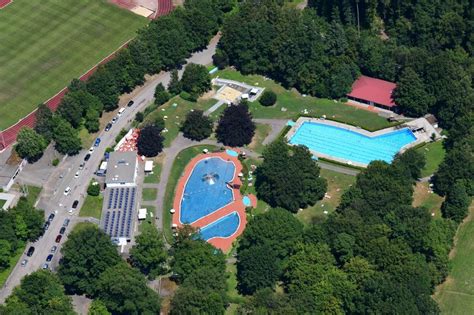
(142, 214)
(148, 166)
(244, 96)
(253, 91)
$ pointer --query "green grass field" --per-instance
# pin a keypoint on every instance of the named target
(45, 44)
(92, 207)
(456, 295)
(434, 154)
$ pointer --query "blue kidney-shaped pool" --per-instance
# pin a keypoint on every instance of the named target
(224, 227)
(350, 145)
(206, 189)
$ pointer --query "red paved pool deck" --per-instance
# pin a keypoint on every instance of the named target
(225, 244)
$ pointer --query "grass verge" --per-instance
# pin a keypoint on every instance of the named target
(92, 207)
(434, 154)
(13, 261)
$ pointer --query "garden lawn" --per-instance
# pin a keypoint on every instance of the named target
(182, 159)
(47, 43)
(155, 177)
(92, 207)
(149, 194)
(434, 154)
(33, 194)
(295, 104)
(456, 295)
(176, 110)
(337, 184)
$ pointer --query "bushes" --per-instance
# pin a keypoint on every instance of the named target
(268, 98)
(161, 95)
(93, 189)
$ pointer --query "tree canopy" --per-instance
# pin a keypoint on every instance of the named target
(196, 80)
(150, 141)
(197, 126)
(289, 177)
(30, 145)
(236, 127)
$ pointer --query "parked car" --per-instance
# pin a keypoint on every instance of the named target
(51, 217)
(87, 157)
(97, 142)
(77, 174)
(24, 262)
(66, 222)
(91, 149)
(81, 166)
(62, 230)
(45, 266)
(120, 112)
(75, 203)
(108, 126)
(114, 120)
(46, 226)
(54, 248)
(58, 238)
(49, 258)
(67, 191)
(30, 251)
(130, 103)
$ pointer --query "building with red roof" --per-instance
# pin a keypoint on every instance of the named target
(374, 92)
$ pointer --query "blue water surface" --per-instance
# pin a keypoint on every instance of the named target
(206, 190)
(247, 202)
(350, 145)
(232, 153)
(224, 227)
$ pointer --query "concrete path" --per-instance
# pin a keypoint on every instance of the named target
(214, 108)
(277, 126)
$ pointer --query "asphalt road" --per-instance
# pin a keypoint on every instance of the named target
(53, 199)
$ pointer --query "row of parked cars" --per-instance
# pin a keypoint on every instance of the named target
(54, 248)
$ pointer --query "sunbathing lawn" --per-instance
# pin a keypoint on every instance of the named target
(47, 43)
(182, 159)
(149, 194)
(261, 133)
(424, 197)
(456, 295)
(295, 104)
(434, 154)
(92, 207)
(155, 177)
(337, 184)
(176, 115)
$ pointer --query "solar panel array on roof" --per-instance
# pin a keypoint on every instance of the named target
(118, 211)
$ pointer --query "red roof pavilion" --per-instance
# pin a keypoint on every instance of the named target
(373, 91)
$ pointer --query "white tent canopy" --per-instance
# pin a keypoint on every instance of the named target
(148, 166)
(142, 214)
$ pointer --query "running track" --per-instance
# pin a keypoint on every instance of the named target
(8, 136)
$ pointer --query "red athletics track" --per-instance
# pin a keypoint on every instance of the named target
(237, 205)
(8, 136)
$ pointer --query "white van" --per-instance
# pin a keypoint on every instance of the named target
(120, 112)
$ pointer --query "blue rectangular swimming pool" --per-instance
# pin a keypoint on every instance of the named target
(350, 145)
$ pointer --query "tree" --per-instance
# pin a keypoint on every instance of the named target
(66, 138)
(28, 215)
(127, 293)
(92, 123)
(268, 98)
(93, 189)
(149, 254)
(5, 252)
(196, 80)
(189, 300)
(314, 284)
(98, 307)
(266, 300)
(87, 253)
(220, 59)
(150, 141)
(30, 145)
(457, 202)
(39, 293)
(197, 126)
(71, 109)
(411, 95)
(236, 127)
(289, 177)
(43, 124)
(191, 255)
(174, 87)
(139, 117)
(103, 85)
(161, 95)
(458, 164)
(411, 162)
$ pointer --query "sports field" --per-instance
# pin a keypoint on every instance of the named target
(44, 44)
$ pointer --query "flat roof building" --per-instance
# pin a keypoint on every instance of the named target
(120, 195)
(374, 92)
(121, 169)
